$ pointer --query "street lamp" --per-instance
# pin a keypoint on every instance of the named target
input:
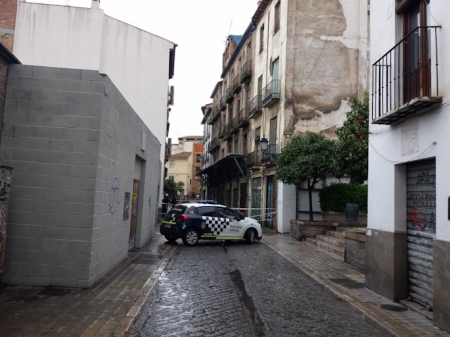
(263, 143)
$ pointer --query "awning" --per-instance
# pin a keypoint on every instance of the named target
(231, 167)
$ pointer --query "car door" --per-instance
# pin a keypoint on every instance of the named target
(233, 227)
(210, 225)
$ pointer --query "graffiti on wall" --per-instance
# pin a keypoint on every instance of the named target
(422, 202)
(114, 200)
(126, 206)
(5, 186)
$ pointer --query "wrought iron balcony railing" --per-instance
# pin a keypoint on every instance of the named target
(214, 145)
(253, 158)
(246, 74)
(223, 103)
(242, 119)
(255, 106)
(271, 93)
(270, 154)
(237, 84)
(405, 80)
(259, 157)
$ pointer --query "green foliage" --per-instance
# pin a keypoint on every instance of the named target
(309, 158)
(336, 196)
(170, 187)
(179, 186)
(352, 149)
(306, 157)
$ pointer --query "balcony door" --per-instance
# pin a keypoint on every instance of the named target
(417, 56)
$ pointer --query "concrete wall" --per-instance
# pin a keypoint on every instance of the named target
(82, 38)
(72, 139)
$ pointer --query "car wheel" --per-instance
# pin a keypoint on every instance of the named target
(191, 237)
(250, 236)
(170, 238)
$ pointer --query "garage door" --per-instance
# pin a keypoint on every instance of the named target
(421, 222)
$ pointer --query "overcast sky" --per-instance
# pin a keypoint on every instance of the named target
(199, 28)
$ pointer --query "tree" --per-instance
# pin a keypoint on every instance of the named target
(170, 187)
(352, 150)
(179, 186)
(306, 158)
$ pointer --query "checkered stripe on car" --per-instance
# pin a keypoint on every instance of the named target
(217, 225)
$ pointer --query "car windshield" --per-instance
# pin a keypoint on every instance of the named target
(174, 212)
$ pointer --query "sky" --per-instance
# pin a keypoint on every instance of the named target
(200, 29)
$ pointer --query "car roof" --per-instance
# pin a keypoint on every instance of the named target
(195, 204)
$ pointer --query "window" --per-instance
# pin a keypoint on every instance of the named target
(172, 178)
(198, 158)
(257, 134)
(206, 211)
(226, 213)
(172, 163)
(261, 38)
(236, 145)
(277, 18)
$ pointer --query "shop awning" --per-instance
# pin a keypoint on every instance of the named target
(231, 167)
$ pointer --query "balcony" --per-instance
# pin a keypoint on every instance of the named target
(253, 159)
(246, 74)
(234, 126)
(255, 107)
(215, 144)
(223, 103)
(222, 130)
(229, 98)
(271, 94)
(242, 119)
(270, 155)
(237, 84)
(215, 115)
(405, 80)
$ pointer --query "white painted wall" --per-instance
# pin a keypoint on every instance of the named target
(82, 38)
(387, 203)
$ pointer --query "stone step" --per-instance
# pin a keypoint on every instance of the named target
(327, 246)
(337, 241)
(339, 235)
(325, 251)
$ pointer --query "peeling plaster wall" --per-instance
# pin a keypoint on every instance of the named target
(327, 63)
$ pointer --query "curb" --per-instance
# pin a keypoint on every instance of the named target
(127, 321)
(361, 307)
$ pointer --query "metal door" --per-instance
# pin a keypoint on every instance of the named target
(243, 198)
(256, 199)
(134, 215)
(421, 225)
(271, 197)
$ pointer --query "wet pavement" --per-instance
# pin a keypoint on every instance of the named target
(278, 287)
(243, 290)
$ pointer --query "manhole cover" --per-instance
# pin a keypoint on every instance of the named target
(390, 307)
(147, 259)
(348, 283)
(53, 292)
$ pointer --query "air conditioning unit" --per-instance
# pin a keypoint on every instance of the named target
(170, 99)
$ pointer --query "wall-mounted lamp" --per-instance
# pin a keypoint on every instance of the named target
(263, 141)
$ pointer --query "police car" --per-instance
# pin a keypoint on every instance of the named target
(192, 222)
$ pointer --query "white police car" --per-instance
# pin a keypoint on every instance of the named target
(192, 222)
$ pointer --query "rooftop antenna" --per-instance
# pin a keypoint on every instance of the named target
(229, 30)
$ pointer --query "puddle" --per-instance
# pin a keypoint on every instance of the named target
(247, 301)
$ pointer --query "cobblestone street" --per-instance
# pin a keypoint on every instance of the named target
(242, 290)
